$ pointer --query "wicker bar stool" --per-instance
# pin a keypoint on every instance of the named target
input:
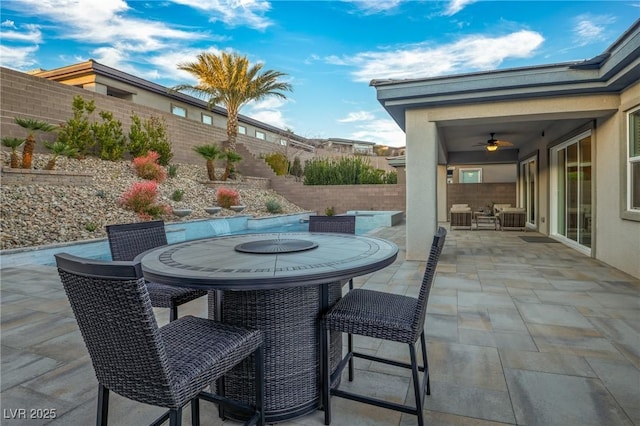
(166, 367)
(128, 240)
(338, 224)
(383, 316)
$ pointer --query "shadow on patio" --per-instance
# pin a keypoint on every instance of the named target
(518, 333)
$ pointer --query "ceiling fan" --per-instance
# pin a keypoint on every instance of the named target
(492, 144)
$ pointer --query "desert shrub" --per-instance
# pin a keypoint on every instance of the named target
(278, 163)
(110, 142)
(273, 206)
(150, 135)
(76, 132)
(172, 170)
(142, 198)
(147, 167)
(296, 168)
(177, 195)
(346, 171)
(329, 211)
(227, 197)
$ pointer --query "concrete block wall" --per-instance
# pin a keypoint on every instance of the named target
(23, 95)
(479, 195)
(44, 177)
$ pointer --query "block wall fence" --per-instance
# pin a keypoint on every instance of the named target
(23, 95)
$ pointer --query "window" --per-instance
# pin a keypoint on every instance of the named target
(633, 158)
(207, 119)
(178, 110)
(260, 135)
(242, 130)
(470, 175)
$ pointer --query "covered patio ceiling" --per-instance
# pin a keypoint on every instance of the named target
(460, 139)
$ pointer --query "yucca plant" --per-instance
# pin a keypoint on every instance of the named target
(58, 149)
(14, 144)
(210, 153)
(32, 126)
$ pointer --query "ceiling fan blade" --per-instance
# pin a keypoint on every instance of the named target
(503, 143)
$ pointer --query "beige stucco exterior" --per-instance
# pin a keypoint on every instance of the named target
(550, 113)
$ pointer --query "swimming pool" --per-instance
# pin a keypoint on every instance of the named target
(176, 232)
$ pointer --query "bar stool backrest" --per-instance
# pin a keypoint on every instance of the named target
(128, 240)
(427, 281)
(113, 310)
(338, 224)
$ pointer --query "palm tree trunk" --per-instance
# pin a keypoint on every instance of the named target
(27, 151)
(15, 161)
(51, 164)
(232, 130)
(211, 171)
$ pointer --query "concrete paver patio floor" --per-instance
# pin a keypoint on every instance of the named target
(518, 333)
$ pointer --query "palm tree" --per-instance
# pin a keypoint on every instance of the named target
(231, 157)
(30, 142)
(13, 143)
(58, 149)
(210, 153)
(229, 80)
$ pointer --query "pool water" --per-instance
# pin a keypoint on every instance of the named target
(176, 232)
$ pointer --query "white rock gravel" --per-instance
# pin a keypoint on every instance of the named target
(34, 215)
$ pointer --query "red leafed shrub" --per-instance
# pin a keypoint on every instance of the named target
(147, 167)
(227, 197)
(142, 198)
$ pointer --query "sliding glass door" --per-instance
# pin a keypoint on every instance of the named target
(529, 188)
(571, 184)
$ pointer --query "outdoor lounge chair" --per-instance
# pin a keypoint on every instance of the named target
(460, 216)
(166, 367)
(384, 316)
(513, 218)
(128, 240)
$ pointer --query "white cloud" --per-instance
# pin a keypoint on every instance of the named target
(371, 7)
(380, 131)
(18, 57)
(590, 28)
(31, 35)
(103, 22)
(272, 117)
(233, 12)
(357, 116)
(456, 6)
(8, 23)
(471, 53)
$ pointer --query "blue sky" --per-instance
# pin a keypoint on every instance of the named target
(330, 50)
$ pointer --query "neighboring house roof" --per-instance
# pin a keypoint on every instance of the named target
(92, 67)
(611, 72)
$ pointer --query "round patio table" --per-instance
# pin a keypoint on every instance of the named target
(280, 283)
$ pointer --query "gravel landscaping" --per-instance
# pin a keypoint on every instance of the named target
(34, 215)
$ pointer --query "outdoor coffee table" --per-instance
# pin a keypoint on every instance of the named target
(482, 218)
(280, 283)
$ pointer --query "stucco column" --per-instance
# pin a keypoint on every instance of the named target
(422, 167)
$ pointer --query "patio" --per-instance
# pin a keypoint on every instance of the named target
(518, 333)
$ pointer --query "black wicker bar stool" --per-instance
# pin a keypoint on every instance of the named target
(383, 316)
(166, 367)
(128, 240)
(338, 224)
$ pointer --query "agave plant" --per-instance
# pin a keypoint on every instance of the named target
(210, 153)
(13, 143)
(58, 149)
(30, 142)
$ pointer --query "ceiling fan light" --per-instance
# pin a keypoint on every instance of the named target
(492, 147)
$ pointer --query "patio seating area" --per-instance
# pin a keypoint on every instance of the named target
(518, 332)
